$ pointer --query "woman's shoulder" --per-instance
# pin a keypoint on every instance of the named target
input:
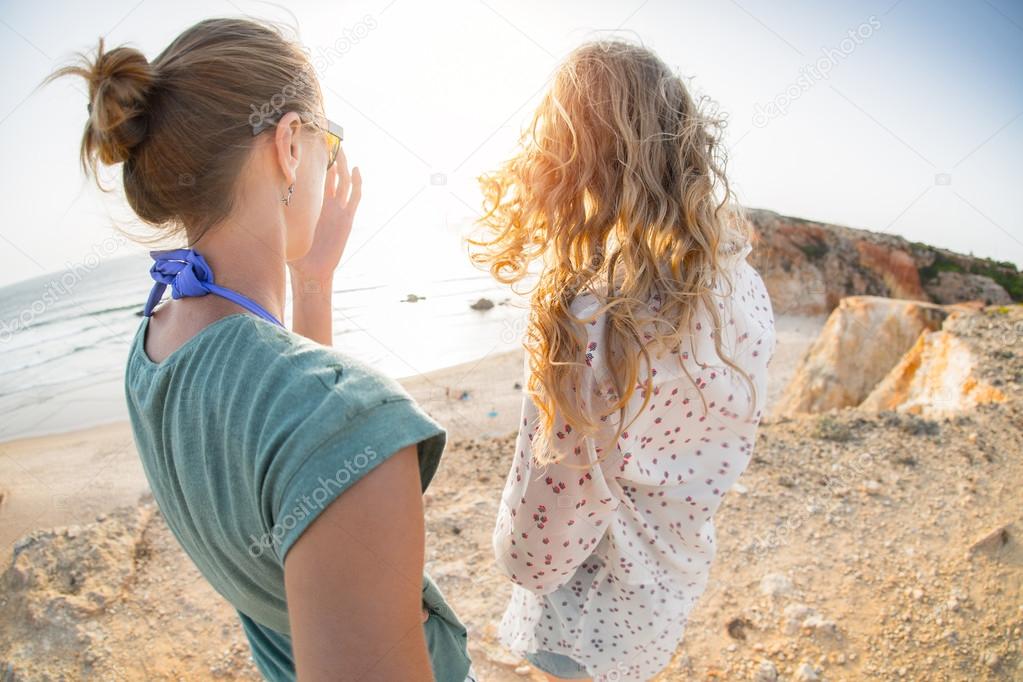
(292, 359)
(249, 358)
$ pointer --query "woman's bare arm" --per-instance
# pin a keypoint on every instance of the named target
(312, 308)
(354, 581)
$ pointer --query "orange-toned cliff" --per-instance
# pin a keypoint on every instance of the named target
(809, 267)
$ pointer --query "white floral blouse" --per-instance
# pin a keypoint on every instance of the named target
(608, 559)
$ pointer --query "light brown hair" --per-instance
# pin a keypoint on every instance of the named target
(618, 190)
(182, 124)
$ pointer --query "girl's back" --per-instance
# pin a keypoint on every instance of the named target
(610, 560)
(647, 348)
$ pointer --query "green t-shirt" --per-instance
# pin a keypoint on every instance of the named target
(245, 433)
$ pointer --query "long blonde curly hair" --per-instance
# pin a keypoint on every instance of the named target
(619, 190)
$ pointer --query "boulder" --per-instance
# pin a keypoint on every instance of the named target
(863, 338)
(936, 378)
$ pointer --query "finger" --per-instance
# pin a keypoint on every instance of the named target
(342, 161)
(343, 188)
(330, 183)
(426, 615)
(356, 194)
(342, 166)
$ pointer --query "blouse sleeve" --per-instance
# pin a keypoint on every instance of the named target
(551, 518)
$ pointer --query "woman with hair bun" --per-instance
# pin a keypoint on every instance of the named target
(647, 349)
(290, 473)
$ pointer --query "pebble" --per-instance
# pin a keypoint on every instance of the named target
(991, 659)
(776, 585)
(795, 614)
(482, 304)
(805, 673)
(766, 672)
(821, 626)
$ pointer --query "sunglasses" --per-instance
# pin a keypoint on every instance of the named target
(334, 133)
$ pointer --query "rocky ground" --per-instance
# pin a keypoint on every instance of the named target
(857, 546)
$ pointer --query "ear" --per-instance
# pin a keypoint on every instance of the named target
(286, 144)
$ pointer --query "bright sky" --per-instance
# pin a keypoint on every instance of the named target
(911, 126)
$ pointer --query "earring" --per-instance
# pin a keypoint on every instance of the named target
(287, 199)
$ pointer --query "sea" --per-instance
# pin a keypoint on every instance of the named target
(64, 336)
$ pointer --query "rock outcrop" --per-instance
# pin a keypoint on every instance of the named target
(809, 267)
(881, 354)
(68, 574)
(864, 337)
(60, 581)
(936, 378)
(951, 287)
(115, 599)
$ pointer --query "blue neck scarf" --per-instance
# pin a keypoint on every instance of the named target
(188, 274)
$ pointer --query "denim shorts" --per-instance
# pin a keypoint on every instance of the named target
(558, 665)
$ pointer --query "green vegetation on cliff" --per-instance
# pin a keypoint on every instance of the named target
(1005, 274)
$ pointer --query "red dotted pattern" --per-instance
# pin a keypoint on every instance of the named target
(608, 559)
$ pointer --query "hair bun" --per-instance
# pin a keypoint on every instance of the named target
(119, 84)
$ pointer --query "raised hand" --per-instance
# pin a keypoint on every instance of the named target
(341, 195)
(312, 275)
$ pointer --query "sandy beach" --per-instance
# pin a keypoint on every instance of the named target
(879, 578)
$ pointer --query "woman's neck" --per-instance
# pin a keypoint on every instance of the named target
(248, 260)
